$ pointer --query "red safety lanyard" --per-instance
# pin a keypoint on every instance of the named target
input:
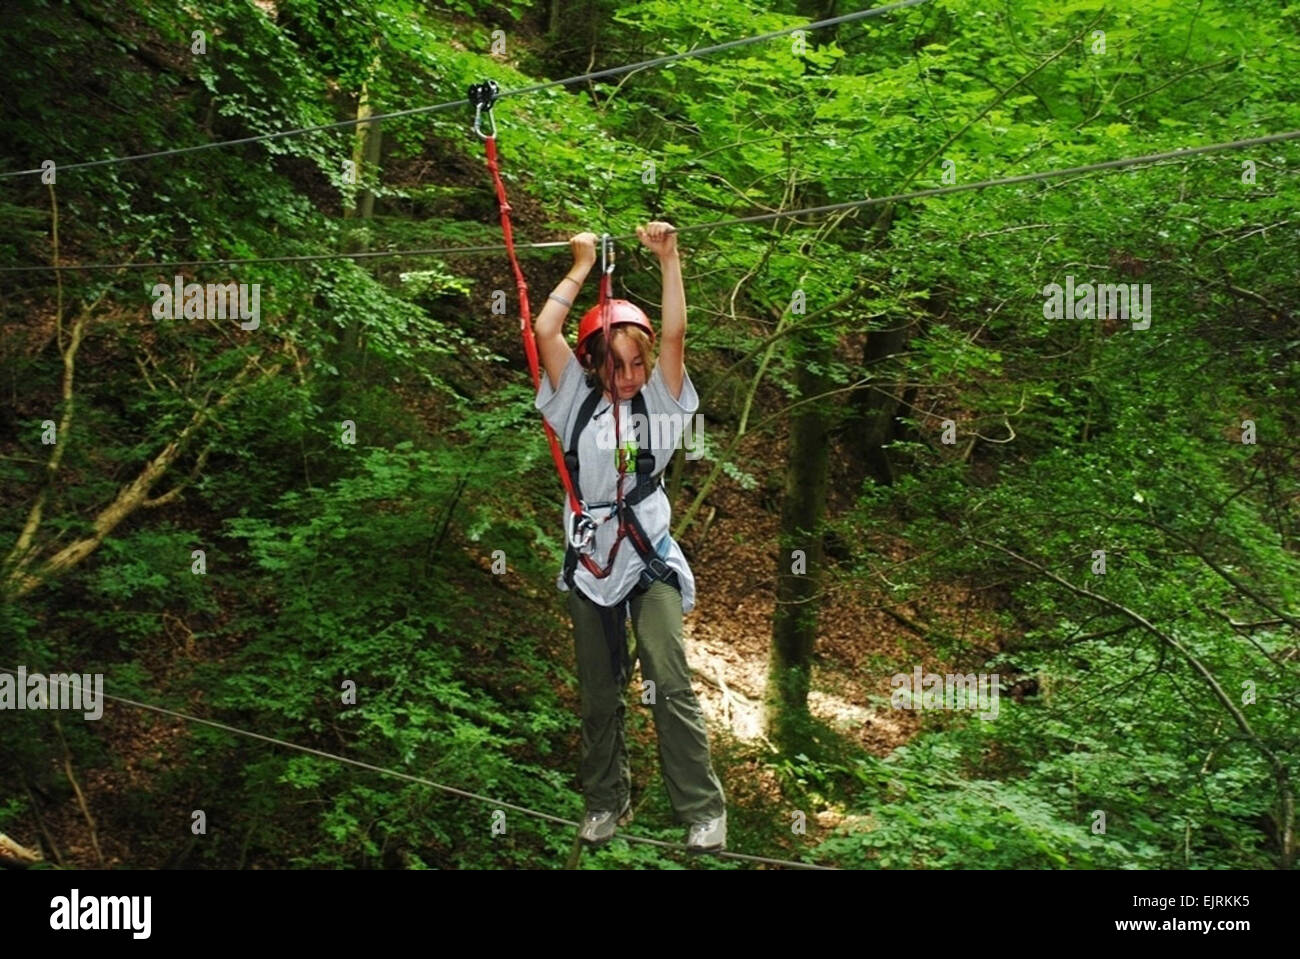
(481, 97)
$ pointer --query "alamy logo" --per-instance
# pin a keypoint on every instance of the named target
(212, 301)
(74, 912)
(657, 431)
(56, 691)
(947, 691)
(1107, 300)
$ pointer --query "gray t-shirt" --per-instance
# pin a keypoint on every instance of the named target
(598, 473)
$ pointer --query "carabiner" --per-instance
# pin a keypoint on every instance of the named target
(478, 111)
(582, 531)
(606, 253)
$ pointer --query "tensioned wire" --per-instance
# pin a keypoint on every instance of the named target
(612, 71)
(428, 782)
(555, 244)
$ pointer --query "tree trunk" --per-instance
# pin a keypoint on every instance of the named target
(875, 412)
(875, 424)
(365, 152)
(366, 145)
(794, 623)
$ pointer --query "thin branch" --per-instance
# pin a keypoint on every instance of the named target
(76, 788)
(1286, 818)
(1290, 619)
(19, 582)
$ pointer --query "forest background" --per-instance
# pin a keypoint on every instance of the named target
(908, 462)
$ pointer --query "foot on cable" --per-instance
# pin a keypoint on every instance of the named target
(710, 835)
(599, 826)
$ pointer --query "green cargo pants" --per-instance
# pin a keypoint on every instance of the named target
(693, 787)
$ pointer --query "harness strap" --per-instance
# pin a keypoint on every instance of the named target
(613, 622)
(484, 95)
(646, 482)
(613, 619)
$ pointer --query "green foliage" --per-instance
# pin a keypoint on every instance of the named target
(330, 562)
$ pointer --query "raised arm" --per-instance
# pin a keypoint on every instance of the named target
(548, 325)
(662, 240)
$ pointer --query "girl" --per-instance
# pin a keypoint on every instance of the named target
(648, 574)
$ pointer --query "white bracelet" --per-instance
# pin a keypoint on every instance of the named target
(560, 299)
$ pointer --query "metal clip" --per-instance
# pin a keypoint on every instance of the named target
(606, 253)
(582, 531)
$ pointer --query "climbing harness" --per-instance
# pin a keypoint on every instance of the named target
(581, 526)
(647, 482)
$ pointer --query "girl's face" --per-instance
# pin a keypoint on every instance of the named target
(629, 368)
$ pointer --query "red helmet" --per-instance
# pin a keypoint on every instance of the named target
(621, 312)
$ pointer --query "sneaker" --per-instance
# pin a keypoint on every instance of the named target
(708, 836)
(599, 827)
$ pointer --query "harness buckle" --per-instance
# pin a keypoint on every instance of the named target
(658, 568)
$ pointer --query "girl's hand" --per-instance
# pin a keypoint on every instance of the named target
(584, 249)
(659, 237)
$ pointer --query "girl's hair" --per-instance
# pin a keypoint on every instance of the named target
(596, 356)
